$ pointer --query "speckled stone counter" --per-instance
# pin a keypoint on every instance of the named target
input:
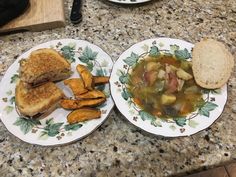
(118, 148)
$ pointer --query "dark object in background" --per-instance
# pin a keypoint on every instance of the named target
(10, 9)
(76, 15)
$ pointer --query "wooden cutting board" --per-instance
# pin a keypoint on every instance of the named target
(41, 15)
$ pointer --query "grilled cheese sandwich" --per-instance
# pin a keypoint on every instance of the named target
(44, 65)
(37, 100)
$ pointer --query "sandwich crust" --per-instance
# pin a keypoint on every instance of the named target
(44, 65)
(31, 101)
(212, 64)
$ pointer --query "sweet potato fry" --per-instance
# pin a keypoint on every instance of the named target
(76, 104)
(76, 85)
(86, 76)
(91, 102)
(91, 95)
(83, 114)
(69, 104)
(97, 80)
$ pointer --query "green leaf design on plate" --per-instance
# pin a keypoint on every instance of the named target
(26, 124)
(124, 78)
(182, 54)
(43, 135)
(69, 53)
(14, 78)
(192, 123)
(154, 51)
(101, 87)
(180, 121)
(8, 109)
(49, 121)
(206, 91)
(146, 116)
(87, 55)
(72, 127)
(12, 100)
(213, 91)
(132, 59)
(155, 122)
(90, 66)
(106, 92)
(9, 92)
(216, 91)
(130, 103)
(125, 94)
(173, 48)
(100, 72)
(206, 108)
(99, 107)
(53, 129)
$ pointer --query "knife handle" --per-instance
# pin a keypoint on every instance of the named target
(76, 15)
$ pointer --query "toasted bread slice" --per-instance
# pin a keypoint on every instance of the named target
(212, 64)
(32, 101)
(44, 65)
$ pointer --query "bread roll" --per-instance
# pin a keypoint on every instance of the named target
(212, 64)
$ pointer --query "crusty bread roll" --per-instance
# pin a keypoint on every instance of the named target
(212, 64)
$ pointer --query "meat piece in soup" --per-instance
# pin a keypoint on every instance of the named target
(164, 86)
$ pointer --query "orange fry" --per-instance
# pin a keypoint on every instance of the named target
(83, 114)
(76, 85)
(97, 80)
(91, 95)
(69, 104)
(76, 104)
(86, 76)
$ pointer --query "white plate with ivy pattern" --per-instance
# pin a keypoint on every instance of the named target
(129, 1)
(203, 117)
(54, 129)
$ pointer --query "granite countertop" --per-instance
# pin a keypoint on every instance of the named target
(118, 148)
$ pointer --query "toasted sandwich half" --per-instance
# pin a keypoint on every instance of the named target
(44, 65)
(37, 100)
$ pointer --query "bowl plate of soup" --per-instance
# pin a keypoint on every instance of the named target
(153, 86)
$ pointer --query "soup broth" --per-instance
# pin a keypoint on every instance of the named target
(164, 86)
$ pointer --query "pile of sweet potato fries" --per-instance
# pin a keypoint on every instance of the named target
(86, 96)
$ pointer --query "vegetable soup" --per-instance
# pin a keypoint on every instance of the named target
(164, 86)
